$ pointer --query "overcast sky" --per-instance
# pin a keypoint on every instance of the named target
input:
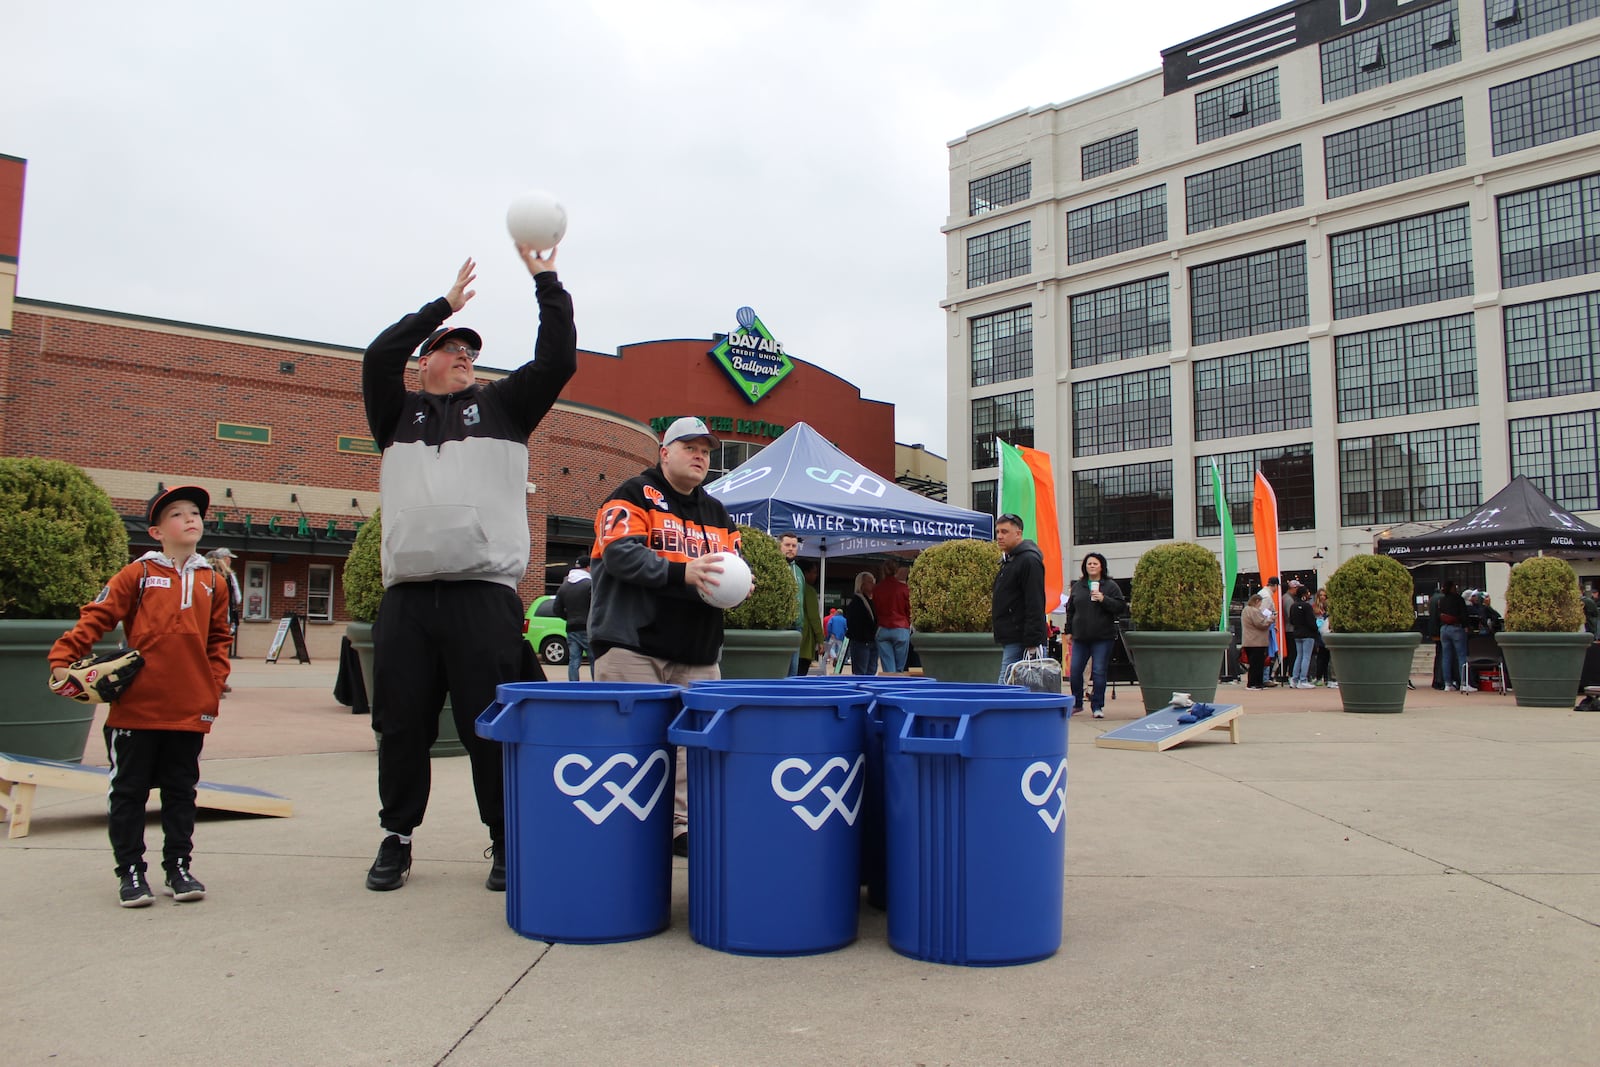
(315, 170)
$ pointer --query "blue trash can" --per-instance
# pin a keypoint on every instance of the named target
(588, 783)
(975, 820)
(776, 780)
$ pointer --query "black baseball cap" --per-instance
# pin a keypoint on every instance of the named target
(158, 503)
(444, 333)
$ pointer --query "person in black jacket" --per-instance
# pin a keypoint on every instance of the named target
(1018, 599)
(861, 626)
(1094, 604)
(1450, 619)
(1302, 622)
(572, 606)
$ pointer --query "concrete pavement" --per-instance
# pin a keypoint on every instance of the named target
(1420, 888)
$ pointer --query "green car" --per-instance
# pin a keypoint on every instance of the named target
(545, 632)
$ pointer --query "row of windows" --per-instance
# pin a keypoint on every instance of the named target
(1113, 153)
(1010, 186)
(1288, 470)
(993, 257)
(1407, 370)
(1406, 146)
(1249, 294)
(1009, 416)
(1238, 105)
(1002, 346)
(1553, 347)
(1409, 477)
(1120, 322)
(1511, 21)
(1127, 503)
(1112, 226)
(1550, 106)
(1550, 232)
(1390, 51)
(1252, 392)
(1561, 455)
(1399, 264)
(1122, 413)
(1244, 190)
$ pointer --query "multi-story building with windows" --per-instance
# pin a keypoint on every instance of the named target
(1352, 243)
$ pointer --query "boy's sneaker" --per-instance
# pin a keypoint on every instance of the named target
(389, 870)
(181, 885)
(496, 855)
(135, 889)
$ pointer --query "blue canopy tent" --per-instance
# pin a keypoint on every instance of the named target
(802, 483)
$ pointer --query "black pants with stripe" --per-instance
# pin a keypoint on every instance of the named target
(432, 639)
(142, 760)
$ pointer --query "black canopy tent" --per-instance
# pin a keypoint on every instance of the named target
(1515, 524)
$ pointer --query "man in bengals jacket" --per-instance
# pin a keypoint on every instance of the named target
(647, 622)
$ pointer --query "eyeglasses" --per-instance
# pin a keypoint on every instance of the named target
(456, 348)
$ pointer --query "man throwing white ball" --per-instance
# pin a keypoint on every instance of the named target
(455, 545)
(654, 540)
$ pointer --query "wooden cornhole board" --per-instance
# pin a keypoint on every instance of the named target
(1160, 730)
(20, 776)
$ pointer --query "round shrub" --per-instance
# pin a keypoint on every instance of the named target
(1542, 597)
(1370, 595)
(952, 587)
(1177, 586)
(61, 539)
(363, 571)
(770, 606)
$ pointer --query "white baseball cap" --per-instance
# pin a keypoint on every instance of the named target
(687, 428)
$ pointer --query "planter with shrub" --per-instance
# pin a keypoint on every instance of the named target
(758, 639)
(1370, 633)
(1544, 642)
(61, 540)
(1176, 606)
(952, 597)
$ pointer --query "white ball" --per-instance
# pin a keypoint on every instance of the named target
(733, 584)
(537, 219)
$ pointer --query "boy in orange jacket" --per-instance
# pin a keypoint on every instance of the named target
(174, 609)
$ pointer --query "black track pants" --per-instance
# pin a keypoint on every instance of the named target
(142, 760)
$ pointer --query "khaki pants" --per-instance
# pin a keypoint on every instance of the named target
(625, 665)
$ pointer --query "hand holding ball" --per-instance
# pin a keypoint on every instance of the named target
(733, 584)
(537, 219)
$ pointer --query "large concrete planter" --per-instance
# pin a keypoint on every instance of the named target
(1545, 669)
(448, 742)
(958, 657)
(33, 720)
(1176, 661)
(1373, 669)
(758, 653)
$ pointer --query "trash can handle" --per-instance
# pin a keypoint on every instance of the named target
(679, 734)
(488, 723)
(936, 746)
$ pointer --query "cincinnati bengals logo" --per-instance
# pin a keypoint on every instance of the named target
(614, 524)
(653, 495)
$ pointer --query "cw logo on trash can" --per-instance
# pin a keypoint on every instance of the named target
(621, 795)
(1056, 786)
(814, 783)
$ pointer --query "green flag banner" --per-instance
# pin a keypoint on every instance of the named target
(1230, 547)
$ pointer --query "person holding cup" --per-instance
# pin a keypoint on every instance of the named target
(1094, 604)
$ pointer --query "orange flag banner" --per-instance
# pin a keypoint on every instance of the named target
(1047, 532)
(1264, 516)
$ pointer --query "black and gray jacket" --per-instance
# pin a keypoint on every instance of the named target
(453, 485)
(1018, 605)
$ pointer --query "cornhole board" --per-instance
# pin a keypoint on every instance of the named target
(1160, 730)
(20, 776)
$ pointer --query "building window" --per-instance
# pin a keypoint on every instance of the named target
(319, 594)
(1011, 186)
(1289, 472)
(1252, 392)
(1399, 264)
(1113, 153)
(730, 457)
(1406, 146)
(993, 257)
(1561, 455)
(1121, 322)
(1550, 232)
(1409, 477)
(1002, 346)
(1122, 412)
(1236, 106)
(986, 497)
(1111, 226)
(1511, 21)
(1551, 106)
(1390, 51)
(1407, 370)
(1244, 190)
(1009, 417)
(1553, 347)
(1130, 503)
(1247, 295)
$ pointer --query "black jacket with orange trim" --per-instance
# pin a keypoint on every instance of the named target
(645, 536)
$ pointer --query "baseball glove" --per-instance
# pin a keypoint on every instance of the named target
(99, 679)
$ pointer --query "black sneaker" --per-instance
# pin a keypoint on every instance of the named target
(680, 845)
(135, 889)
(496, 854)
(181, 885)
(389, 870)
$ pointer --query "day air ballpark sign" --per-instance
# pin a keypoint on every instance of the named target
(752, 357)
